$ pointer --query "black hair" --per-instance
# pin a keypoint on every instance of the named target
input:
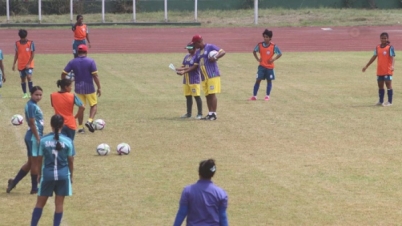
(385, 34)
(57, 123)
(63, 83)
(78, 16)
(34, 89)
(22, 33)
(207, 169)
(267, 33)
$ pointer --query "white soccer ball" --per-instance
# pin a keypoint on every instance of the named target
(99, 124)
(70, 76)
(103, 149)
(212, 53)
(17, 120)
(123, 149)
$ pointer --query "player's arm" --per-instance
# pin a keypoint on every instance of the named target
(32, 56)
(64, 73)
(87, 37)
(71, 166)
(189, 69)
(33, 128)
(220, 54)
(278, 54)
(255, 51)
(370, 62)
(81, 107)
(2, 70)
(97, 82)
(15, 59)
(393, 62)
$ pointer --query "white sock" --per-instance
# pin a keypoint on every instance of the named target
(210, 113)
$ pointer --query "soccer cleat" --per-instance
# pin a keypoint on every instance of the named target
(199, 116)
(253, 98)
(213, 117)
(10, 185)
(81, 131)
(25, 96)
(185, 116)
(378, 104)
(266, 98)
(34, 192)
(206, 117)
(387, 104)
(90, 127)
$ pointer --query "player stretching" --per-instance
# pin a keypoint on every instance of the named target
(266, 50)
(56, 173)
(385, 68)
(24, 54)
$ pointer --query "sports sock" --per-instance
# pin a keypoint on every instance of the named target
(36, 214)
(90, 120)
(30, 85)
(381, 93)
(269, 87)
(256, 87)
(81, 126)
(21, 174)
(390, 93)
(57, 218)
(189, 104)
(24, 87)
(34, 182)
(210, 113)
(199, 104)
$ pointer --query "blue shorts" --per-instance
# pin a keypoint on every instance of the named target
(265, 73)
(32, 144)
(26, 72)
(384, 78)
(76, 43)
(59, 187)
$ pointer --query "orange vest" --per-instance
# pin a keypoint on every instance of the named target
(63, 104)
(384, 60)
(24, 54)
(266, 54)
(80, 32)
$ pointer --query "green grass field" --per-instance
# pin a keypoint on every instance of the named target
(318, 153)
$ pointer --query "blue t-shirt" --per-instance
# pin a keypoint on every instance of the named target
(55, 163)
(32, 110)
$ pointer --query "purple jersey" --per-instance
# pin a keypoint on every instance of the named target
(193, 77)
(203, 199)
(83, 67)
(208, 69)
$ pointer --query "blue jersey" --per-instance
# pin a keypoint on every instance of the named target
(32, 110)
(55, 163)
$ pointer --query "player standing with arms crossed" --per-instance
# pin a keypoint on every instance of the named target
(210, 75)
(56, 174)
(81, 32)
(266, 50)
(191, 81)
(385, 68)
(34, 117)
(24, 54)
(86, 74)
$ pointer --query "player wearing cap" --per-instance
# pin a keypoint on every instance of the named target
(191, 81)
(85, 74)
(81, 32)
(210, 75)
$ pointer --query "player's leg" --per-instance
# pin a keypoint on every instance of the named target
(189, 100)
(29, 73)
(35, 164)
(196, 93)
(214, 87)
(83, 99)
(75, 46)
(390, 91)
(381, 91)
(23, 77)
(63, 188)
(260, 76)
(270, 76)
(58, 212)
(37, 211)
(93, 103)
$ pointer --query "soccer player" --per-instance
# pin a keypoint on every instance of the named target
(81, 32)
(24, 54)
(269, 52)
(34, 117)
(385, 68)
(203, 203)
(191, 81)
(2, 73)
(56, 174)
(210, 75)
(85, 74)
(63, 103)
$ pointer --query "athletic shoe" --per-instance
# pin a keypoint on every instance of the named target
(253, 98)
(10, 185)
(378, 104)
(213, 117)
(199, 116)
(387, 104)
(25, 96)
(266, 98)
(185, 116)
(34, 192)
(81, 131)
(90, 127)
(206, 117)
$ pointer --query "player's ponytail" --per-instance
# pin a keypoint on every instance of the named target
(63, 83)
(57, 123)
